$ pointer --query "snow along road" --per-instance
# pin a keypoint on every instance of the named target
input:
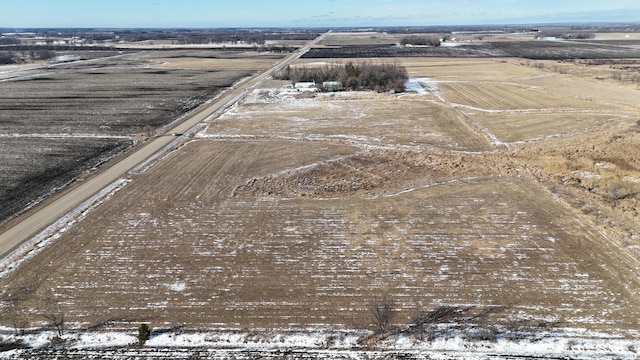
(32, 222)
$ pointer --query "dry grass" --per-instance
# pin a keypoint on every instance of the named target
(514, 101)
(513, 126)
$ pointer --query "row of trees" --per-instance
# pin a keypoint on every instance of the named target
(361, 76)
(474, 323)
(422, 40)
(19, 57)
(568, 36)
(181, 36)
(9, 41)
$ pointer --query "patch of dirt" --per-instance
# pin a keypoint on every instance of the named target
(597, 172)
(368, 173)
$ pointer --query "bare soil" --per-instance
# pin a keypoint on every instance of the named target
(35, 167)
(528, 49)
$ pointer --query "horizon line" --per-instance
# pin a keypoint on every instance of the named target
(572, 23)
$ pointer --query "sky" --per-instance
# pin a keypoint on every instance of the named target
(307, 13)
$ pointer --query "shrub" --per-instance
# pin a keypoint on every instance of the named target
(6, 58)
(144, 333)
(482, 334)
(43, 54)
(383, 312)
(56, 321)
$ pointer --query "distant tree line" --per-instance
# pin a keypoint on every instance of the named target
(19, 57)
(186, 36)
(361, 76)
(281, 49)
(569, 36)
(9, 41)
(579, 36)
(178, 36)
(51, 47)
(616, 28)
(6, 57)
(421, 40)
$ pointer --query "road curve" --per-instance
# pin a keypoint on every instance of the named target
(33, 222)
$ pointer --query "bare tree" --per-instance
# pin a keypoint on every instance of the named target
(6, 58)
(383, 311)
(56, 320)
(419, 314)
(53, 311)
(12, 313)
(149, 131)
(441, 314)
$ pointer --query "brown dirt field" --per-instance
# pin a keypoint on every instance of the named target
(513, 126)
(363, 38)
(369, 118)
(295, 210)
(250, 61)
(109, 102)
(515, 101)
(618, 36)
(191, 254)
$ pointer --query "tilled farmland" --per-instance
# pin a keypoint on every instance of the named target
(291, 211)
(534, 50)
(61, 119)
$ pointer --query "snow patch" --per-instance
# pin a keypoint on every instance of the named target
(178, 286)
(632, 179)
(585, 174)
(414, 85)
(323, 343)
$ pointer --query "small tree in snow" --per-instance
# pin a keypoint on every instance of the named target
(56, 321)
(144, 333)
(383, 311)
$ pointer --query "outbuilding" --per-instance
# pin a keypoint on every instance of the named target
(332, 86)
(306, 86)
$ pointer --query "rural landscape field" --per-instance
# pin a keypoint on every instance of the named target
(67, 117)
(500, 186)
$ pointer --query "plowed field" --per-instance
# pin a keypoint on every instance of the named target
(189, 250)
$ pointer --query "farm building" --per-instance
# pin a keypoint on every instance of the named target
(306, 86)
(332, 85)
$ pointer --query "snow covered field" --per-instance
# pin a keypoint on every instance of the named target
(319, 344)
